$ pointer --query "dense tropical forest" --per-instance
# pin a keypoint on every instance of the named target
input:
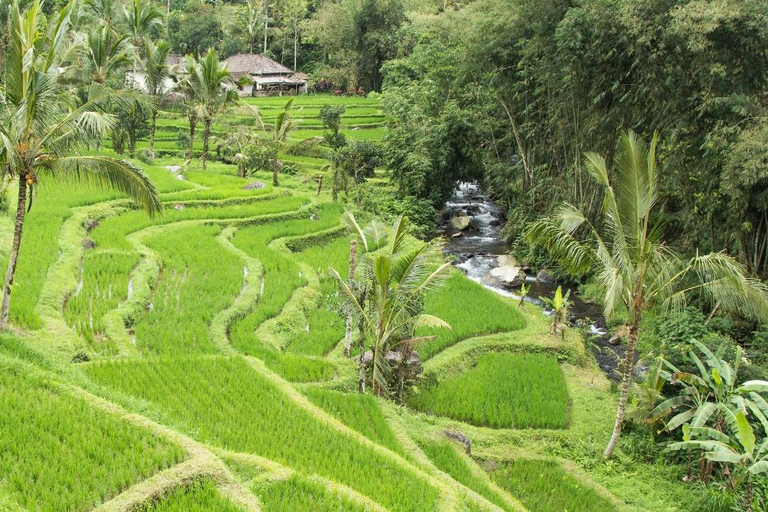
(322, 255)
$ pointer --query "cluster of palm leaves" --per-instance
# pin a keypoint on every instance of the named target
(719, 417)
(387, 295)
(45, 125)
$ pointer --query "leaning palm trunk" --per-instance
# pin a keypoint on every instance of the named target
(352, 265)
(626, 382)
(630, 259)
(19, 226)
(206, 137)
(192, 125)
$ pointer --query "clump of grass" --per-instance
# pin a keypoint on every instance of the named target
(223, 401)
(294, 367)
(543, 486)
(296, 494)
(443, 455)
(57, 453)
(471, 310)
(199, 279)
(104, 285)
(199, 496)
(502, 391)
(359, 412)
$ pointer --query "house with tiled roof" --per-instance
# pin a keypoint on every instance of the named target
(266, 75)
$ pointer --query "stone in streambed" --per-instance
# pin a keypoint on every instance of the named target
(508, 276)
(460, 223)
(544, 277)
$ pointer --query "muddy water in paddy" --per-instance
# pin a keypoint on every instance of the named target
(476, 250)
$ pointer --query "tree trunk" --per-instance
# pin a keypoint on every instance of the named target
(626, 381)
(275, 178)
(14, 256)
(295, 44)
(319, 185)
(192, 125)
(335, 185)
(152, 130)
(266, 24)
(206, 136)
(351, 280)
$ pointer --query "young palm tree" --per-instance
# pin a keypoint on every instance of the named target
(396, 279)
(278, 138)
(211, 90)
(42, 127)
(103, 54)
(632, 262)
(156, 72)
(141, 16)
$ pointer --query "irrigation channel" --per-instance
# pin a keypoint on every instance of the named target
(476, 250)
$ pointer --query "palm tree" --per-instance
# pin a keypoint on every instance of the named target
(251, 19)
(631, 260)
(141, 18)
(278, 138)
(211, 90)
(396, 279)
(103, 53)
(156, 72)
(42, 128)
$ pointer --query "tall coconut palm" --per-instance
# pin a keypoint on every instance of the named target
(43, 128)
(211, 91)
(636, 268)
(156, 73)
(396, 279)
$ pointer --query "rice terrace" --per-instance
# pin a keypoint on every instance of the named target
(371, 255)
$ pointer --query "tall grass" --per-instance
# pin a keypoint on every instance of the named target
(444, 456)
(294, 367)
(58, 454)
(104, 284)
(199, 496)
(297, 494)
(281, 273)
(502, 391)
(199, 278)
(471, 309)
(224, 402)
(543, 486)
(357, 411)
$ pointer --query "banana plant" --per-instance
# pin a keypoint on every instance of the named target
(712, 395)
(560, 305)
(737, 447)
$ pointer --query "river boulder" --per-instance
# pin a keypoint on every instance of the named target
(460, 223)
(508, 276)
(506, 260)
(544, 276)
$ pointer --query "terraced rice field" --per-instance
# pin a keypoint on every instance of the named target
(192, 361)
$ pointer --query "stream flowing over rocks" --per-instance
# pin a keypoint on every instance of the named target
(472, 223)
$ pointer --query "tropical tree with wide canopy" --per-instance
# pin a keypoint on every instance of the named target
(627, 253)
(43, 128)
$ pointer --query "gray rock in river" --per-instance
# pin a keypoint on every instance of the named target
(544, 277)
(508, 276)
